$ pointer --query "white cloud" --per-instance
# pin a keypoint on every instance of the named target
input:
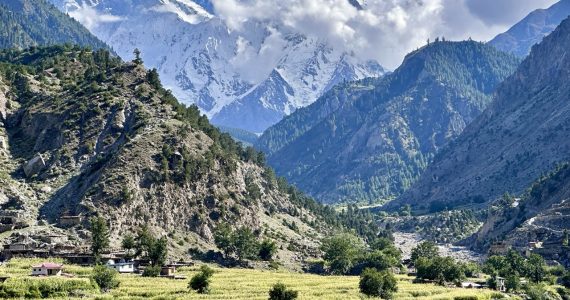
(255, 65)
(91, 18)
(386, 29)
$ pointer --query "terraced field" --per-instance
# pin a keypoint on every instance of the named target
(236, 284)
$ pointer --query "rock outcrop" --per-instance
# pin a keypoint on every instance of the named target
(34, 165)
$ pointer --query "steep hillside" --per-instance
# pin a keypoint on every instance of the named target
(370, 140)
(522, 135)
(541, 214)
(293, 126)
(248, 79)
(85, 134)
(520, 38)
(25, 23)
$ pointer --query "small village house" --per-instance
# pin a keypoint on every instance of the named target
(47, 269)
(168, 271)
(122, 266)
(471, 285)
(501, 287)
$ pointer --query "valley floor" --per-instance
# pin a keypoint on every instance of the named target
(236, 284)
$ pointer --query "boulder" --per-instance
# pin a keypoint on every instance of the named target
(34, 165)
(3, 143)
(3, 110)
(119, 120)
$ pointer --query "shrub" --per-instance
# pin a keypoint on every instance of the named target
(378, 284)
(513, 283)
(105, 278)
(151, 271)
(279, 291)
(340, 251)
(565, 280)
(425, 249)
(465, 298)
(201, 281)
(45, 288)
(267, 249)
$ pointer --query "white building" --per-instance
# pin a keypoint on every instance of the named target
(122, 266)
(47, 269)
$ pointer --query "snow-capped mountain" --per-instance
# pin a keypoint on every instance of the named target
(246, 79)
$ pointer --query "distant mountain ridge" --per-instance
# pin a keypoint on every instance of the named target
(521, 136)
(227, 73)
(26, 23)
(370, 140)
(532, 29)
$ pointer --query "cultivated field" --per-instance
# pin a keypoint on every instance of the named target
(227, 284)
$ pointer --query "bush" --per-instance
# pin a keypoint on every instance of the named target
(425, 249)
(201, 281)
(440, 269)
(341, 251)
(378, 284)
(45, 288)
(280, 292)
(151, 271)
(465, 298)
(565, 280)
(267, 249)
(105, 278)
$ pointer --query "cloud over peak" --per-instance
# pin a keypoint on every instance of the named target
(384, 30)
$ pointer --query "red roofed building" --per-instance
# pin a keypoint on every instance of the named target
(47, 269)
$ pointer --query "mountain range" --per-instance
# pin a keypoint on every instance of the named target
(370, 140)
(522, 135)
(229, 74)
(520, 38)
(84, 134)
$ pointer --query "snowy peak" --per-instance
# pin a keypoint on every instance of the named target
(248, 78)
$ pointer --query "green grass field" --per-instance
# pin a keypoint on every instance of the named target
(232, 284)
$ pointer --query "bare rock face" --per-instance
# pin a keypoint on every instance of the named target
(3, 144)
(119, 120)
(34, 165)
(3, 102)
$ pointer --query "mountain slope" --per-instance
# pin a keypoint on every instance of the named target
(369, 140)
(532, 29)
(542, 214)
(247, 79)
(522, 135)
(84, 134)
(25, 23)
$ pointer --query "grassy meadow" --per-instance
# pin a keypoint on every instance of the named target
(226, 284)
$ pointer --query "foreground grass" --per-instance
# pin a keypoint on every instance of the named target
(239, 284)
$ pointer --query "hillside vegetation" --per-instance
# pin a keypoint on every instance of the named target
(369, 140)
(26, 23)
(521, 136)
(86, 134)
